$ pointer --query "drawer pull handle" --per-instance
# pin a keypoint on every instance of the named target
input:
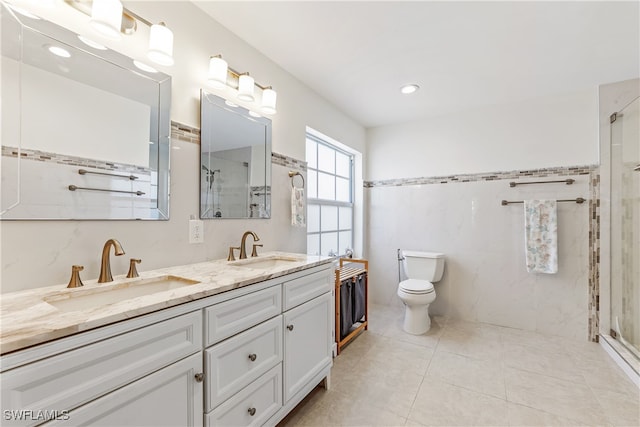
(253, 357)
(290, 327)
(251, 411)
(199, 377)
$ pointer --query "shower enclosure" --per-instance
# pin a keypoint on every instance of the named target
(625, 227)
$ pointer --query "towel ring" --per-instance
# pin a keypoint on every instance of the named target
(292, 174)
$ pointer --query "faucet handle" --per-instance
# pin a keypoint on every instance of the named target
(254, 251)
(231, 256)
(75, 281)
(133, 271)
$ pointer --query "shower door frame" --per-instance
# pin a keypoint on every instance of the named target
(611, 98)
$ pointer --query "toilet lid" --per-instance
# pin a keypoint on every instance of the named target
(415, 286)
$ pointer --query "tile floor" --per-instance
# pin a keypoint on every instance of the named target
(468, 374)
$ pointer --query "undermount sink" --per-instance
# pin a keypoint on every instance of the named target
(105, 294)
(267, 262)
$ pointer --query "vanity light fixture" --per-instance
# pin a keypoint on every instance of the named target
(409, 88)
(221, 76)
(245, 87)
(161, 44)
(111, 20)
(106, 18)
(269, 100)
(218, 69)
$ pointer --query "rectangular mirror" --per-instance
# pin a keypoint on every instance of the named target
(85, 133)
(235, 161)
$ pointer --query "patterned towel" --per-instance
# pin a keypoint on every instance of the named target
(297, 207)
(541, 236)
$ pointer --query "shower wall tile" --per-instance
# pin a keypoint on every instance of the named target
(485, 276)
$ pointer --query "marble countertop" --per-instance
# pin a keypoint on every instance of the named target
(27, 319)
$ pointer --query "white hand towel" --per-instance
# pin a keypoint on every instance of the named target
(297, 207)
(541, 236)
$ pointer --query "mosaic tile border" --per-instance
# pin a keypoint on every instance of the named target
(594, 256)
(63, 159)
(490, 176)
(289, 162)
(185, 133)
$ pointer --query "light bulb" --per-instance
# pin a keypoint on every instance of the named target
(106, 18)
(218, 68)
(269, 101)
(160, 45)
(245, 87)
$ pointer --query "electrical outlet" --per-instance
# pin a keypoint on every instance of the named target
(196, 231)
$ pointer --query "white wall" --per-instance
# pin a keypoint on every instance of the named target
(552, 131)
(485, 276)
(39, 253)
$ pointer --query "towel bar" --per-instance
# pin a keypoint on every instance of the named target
(565, 181)
(75, 187)
(293, 174)
(579, 201)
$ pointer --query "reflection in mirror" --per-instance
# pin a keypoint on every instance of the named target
(85, 133)
(235, 161)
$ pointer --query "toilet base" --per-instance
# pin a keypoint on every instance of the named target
(416, 319)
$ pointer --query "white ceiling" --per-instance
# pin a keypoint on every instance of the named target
(464, 55)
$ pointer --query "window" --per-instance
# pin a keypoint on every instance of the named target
(329, 198)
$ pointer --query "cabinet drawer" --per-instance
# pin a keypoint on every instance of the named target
(230, 317)
(236, 362)
(68, 380)
(168, 397)
(253, 405)
(303, 289)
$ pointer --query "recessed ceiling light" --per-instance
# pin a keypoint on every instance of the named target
(58, 51)
(144, 67)
(410, 88)
(91, 43)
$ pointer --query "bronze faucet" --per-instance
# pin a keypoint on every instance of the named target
(105, 264)
(243, 250)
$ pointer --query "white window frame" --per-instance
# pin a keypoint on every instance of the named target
(328, 202)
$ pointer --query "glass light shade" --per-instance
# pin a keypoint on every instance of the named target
(245, 87)
(218, 72)
(160, 45)
(269, 101)
(106, 18)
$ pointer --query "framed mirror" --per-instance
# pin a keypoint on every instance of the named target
(85, 133)
(235, 161)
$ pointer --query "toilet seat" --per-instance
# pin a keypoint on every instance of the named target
(416, 286)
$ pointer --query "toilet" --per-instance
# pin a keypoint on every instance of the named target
(417, 292)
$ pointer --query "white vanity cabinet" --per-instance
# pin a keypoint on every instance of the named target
(244, 357)
(130, 367)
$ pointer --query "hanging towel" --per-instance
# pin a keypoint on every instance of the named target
(541, 236)
(297, 207)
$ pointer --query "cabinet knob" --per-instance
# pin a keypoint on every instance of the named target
(251, 411)
(253, 357)
(199, 377)
(290, 327)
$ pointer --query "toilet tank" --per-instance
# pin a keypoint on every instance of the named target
(424, 265)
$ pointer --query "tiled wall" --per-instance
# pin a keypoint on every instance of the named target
(594, 256)
(485, 278)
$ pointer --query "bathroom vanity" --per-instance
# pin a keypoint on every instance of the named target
(239, 343)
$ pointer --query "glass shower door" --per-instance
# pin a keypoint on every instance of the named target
(625, 227)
